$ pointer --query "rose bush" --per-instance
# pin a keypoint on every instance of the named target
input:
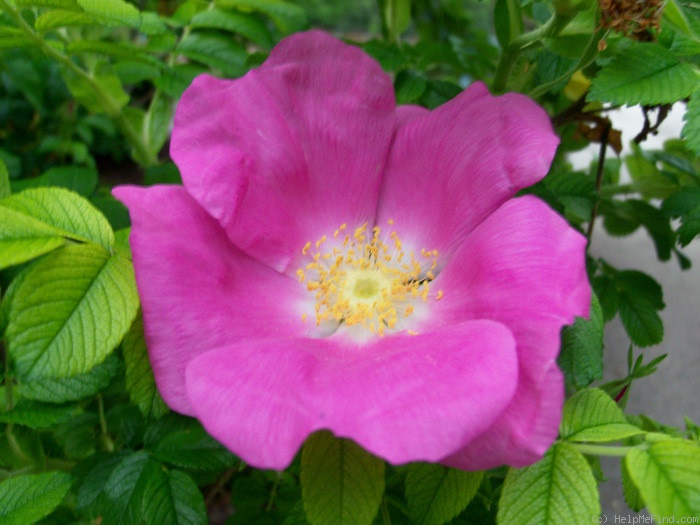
(335, 262)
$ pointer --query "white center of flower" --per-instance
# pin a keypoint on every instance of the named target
(366, 281)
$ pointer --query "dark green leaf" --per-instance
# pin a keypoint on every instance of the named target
(4, 181)
(79, 179)
(194, 449)
(172, 497)
(241, 23)
(436, 494)
(581, 357)
(139, 376)
(409, 87)
(37, 415)
(216, 50)
(286, 15)
(640, 297)
(691, 129)
(341, 483)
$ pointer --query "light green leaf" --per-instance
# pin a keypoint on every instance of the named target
(37, 415)
(72, 388)
(558, 489)
(673, 15)
(691, 128)
(436, 494)
(64, 4)
(591, 415)
(62, 18)
(629, 490)
(667, 475)
(61, 211)
(140, 382)
(22, 238)
(644, 73)
(30, 497)
(120, 50)
(241, 23)
(70, 311)
(172, 497)
(85, 93)
(4, 181)
(340, 482)
(117, 12)
(287, 16)
(581, 357)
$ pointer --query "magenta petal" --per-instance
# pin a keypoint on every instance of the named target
(403, 398)
(523, 267)
(198, 292)
(290, 151)
(522, 435)
(451, 168)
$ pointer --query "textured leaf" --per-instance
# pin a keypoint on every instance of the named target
(240, 23)
(558, 489)
(591, 415)
(581, 357)
(63, 210)
(436, 494)
(70, 310)
(118, 12)
(644, 73)
(37, 415)
(85, 93)
(62, 18)
(121, 50)
(667, 475)
(140, 382)
(173, 498)
(64, 4)
(95, 471)
(22, 238)
(72, 388)
(629, 490)
(286, 15)
(194, 449)
(340, 482)
(28, 498)
(123, 492)
(691, 129)
(216, 50)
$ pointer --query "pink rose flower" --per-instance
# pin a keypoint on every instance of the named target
(335, 262)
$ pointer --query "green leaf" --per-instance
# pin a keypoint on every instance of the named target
(640, 297)
(85, 93)
(507, 21)
(79, 179)
(643, 73)
(123, 493)
(667, 475)
(194, 449)
(93, 474)
(37, 415)
(4, 181)
(340, 482)
(172, 497)
(558, 489)
(72, 388)
(591, 415)
(70, 311)
(63, 211)
(581, 357)
(629, 490)
(22, 238)
(436, 494)
(397, 17)
(140, 382)
(234, 22)
(116, 12)
(691, 128)
(287, 16)
(216, 50)
(64, 4)
(62, 18)
(30, 497)
(409, 87)
(121, 50)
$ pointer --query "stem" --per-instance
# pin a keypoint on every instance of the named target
(386, 518)
(599, 176)
(273, 493)
(511, 53)
(602, 450)
(104, 437)
(220, 482)
(109, 105)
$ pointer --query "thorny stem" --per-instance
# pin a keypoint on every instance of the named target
(109, 105)
(599, 176)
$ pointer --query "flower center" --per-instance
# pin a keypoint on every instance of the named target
(366, 280)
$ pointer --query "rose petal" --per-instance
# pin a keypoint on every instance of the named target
(404, 398)
(451, 168)
(524, 267)
(523, 434)
(290, 151)
(197, 290)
